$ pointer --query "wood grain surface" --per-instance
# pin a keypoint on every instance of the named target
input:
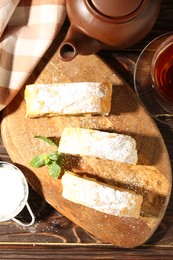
(127, 117)
(59, 237)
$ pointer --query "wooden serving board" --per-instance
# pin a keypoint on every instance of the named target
(127, 116)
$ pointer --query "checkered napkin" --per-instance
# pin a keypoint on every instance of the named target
(27, 28)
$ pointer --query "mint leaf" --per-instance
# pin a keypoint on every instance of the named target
(59, 159)
(38, 161)
(54, 169)
(53, 156)
(47, 140)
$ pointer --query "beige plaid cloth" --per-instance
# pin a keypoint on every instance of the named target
(27, 28)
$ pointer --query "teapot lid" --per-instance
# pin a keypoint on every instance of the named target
(116, 8)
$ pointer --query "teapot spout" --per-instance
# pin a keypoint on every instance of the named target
(76, 43)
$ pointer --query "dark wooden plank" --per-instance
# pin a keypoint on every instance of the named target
(77, 252)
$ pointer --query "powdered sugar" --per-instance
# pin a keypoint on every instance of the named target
(68, 98)
(99, 144)
(12, 192)
(100, 197)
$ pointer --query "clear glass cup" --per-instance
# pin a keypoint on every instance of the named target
(153, 78)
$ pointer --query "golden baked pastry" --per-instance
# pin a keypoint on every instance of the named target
(95, 143)
(78, 98)
(100, 196)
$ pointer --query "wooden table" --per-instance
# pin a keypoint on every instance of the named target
(58, 237)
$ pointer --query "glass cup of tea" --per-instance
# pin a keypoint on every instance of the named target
(153, 78)
(162, 73)
(13, 194)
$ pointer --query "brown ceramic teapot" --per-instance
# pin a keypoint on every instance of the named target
(106, 24)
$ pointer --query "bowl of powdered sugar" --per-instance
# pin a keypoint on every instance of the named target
(14, 193)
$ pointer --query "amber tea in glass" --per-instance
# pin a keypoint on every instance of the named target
(162, 70)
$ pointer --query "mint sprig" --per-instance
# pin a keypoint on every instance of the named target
(47, 140)
(52, 160)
